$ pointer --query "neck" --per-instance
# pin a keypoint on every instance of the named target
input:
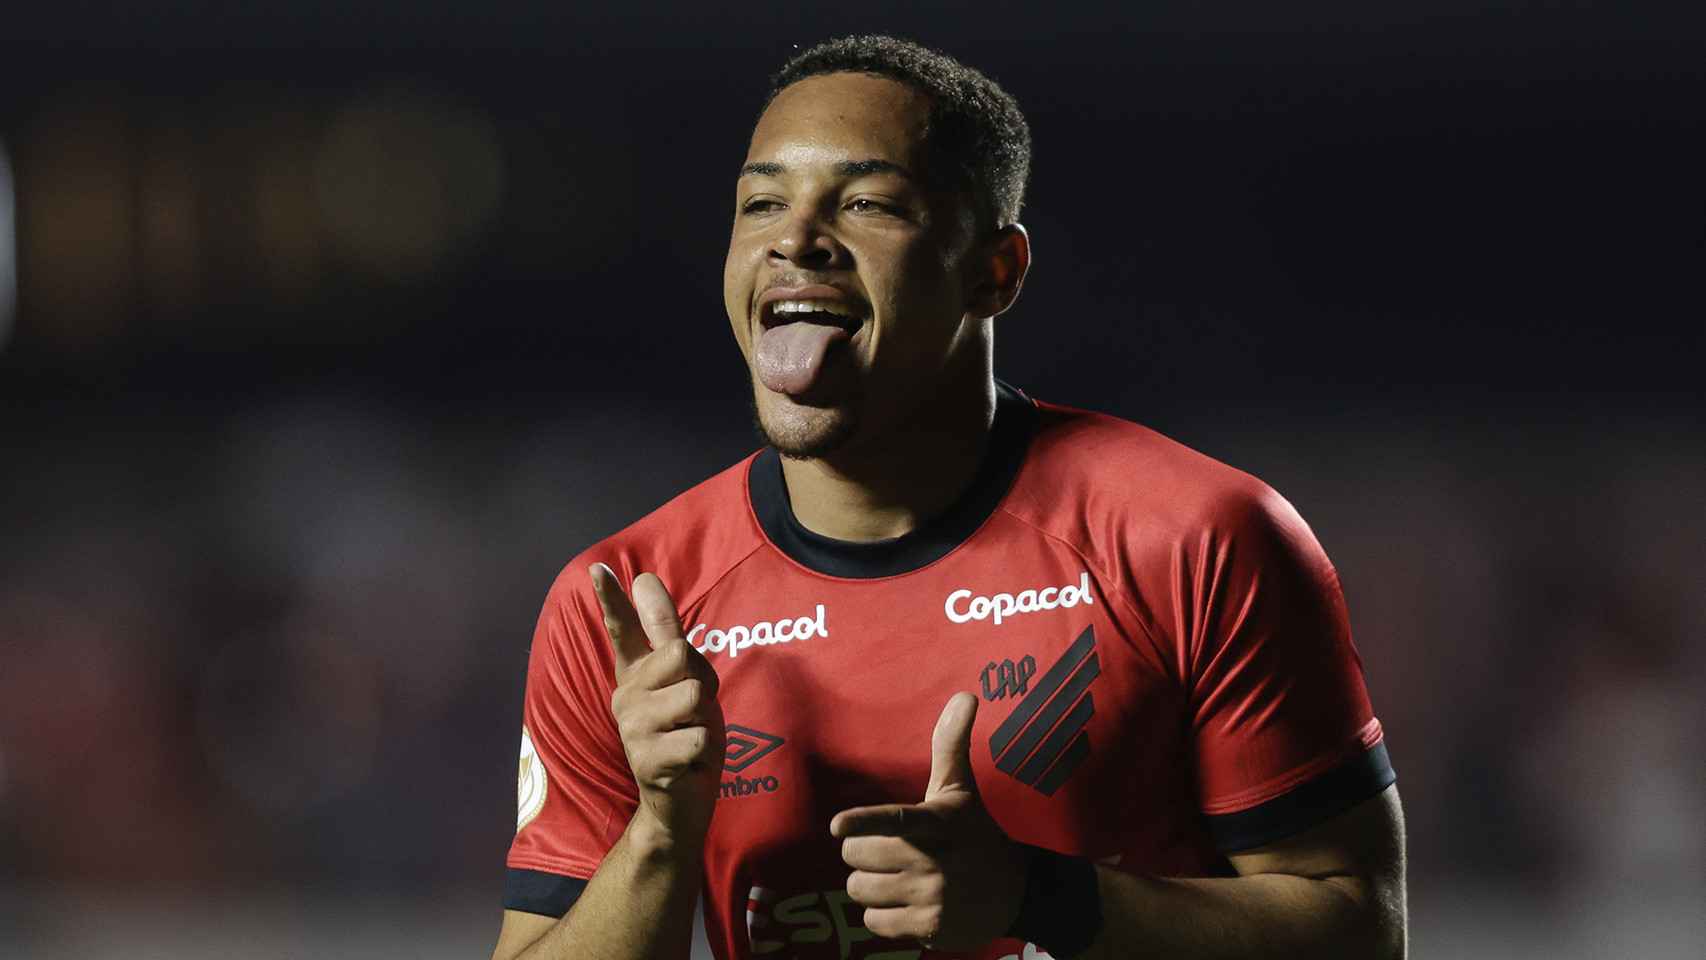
(888, 486)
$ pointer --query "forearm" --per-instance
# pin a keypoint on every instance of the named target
(637, 906)
(1257, 916)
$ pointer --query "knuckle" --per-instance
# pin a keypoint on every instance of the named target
(675, 654)
(930, 921)
(934, 888)
(693, 691)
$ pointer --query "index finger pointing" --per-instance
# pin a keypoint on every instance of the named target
(656, 610)
(887, 820)
(621, 622)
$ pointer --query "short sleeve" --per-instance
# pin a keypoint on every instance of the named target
(1283, 733)
(574, 791)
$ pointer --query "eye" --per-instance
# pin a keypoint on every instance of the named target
(867, 205)
(760, 205)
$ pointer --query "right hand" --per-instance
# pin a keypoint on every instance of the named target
(665, 706)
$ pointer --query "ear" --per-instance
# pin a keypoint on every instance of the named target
(999, 264)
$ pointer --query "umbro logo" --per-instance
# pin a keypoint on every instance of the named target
(1043, 740)
(743, 747)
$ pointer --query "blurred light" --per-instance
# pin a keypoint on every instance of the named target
(405, 181)
(8, 276)
(171, 231)
(78, 207)
(286, 214)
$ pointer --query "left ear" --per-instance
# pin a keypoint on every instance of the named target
(999, 264)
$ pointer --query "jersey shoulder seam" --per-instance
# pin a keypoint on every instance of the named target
(1160, 650)
(731, 568)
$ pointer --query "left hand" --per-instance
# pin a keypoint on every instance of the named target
(941, 872)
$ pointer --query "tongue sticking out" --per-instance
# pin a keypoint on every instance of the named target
(790, 357)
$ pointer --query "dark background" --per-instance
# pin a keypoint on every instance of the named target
(328, 333)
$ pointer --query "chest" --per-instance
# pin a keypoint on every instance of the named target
(830, 692)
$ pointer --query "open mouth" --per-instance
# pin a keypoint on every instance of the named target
(833, 313)
(802, 337)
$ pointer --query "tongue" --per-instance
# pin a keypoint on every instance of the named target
(790, 357)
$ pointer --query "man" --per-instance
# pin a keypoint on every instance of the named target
(942, 669)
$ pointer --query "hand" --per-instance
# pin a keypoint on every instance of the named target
(665, 706)
(941, 872)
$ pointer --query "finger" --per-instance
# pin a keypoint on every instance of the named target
(643, 712)
(880, 889)
(950, 747)
(656, 610)
(882, 854)
(669, 663)
(621, 622)
(682, 704)
(886, 820)
(897, 923)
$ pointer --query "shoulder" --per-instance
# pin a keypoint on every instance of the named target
(1090, 474)
(690, 542)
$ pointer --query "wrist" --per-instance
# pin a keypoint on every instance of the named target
(653, 842)
(1061, 910)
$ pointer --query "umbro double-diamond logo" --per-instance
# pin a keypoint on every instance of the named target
(744, 747)
(1043, 740)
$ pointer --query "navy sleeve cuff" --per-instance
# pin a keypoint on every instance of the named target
(535, 891)
(1306, 805)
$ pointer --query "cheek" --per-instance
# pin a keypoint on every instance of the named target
(924, 304)
(738, 274)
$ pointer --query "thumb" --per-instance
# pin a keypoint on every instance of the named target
(950, 747)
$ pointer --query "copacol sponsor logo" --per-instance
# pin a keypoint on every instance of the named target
(745, 747)
(962, 607)
(735, 639)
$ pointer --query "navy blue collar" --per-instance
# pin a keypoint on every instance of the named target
(1010, 435)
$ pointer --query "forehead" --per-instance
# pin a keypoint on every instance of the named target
(843, 116)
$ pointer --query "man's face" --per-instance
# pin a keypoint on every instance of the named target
(843, 281)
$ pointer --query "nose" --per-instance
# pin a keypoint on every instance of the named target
(803, 241)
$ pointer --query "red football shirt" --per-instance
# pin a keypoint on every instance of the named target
(1159, 643)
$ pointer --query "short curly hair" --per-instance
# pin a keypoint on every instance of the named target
(975, 128)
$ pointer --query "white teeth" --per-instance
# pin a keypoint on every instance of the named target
(811, 306)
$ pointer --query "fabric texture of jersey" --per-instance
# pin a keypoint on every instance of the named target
(1159, 646)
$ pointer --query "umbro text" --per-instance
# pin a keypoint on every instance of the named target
(742, 787)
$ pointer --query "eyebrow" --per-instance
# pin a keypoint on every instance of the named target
(847, 168)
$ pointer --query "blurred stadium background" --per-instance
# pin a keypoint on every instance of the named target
(327, 334)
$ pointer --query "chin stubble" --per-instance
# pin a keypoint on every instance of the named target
(807, 444)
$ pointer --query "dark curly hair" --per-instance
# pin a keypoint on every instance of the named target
(976, 132)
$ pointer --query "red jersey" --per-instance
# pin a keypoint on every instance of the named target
(1159, 643)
